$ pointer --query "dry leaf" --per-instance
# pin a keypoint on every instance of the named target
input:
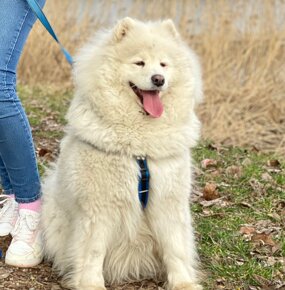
(256, 186)
(219, 202)
(43, 151)
(273, 163)
(234, 171)
(271, 261)
(208, 163)
(266, 177)
(4, 273)
(261, 280)
(246, 162)
(247, 230)
(210, 191)
(216, 173)
(246, 204)
(275, 216)
(266, 239)
(255, 149)
(220, 281)
(275, 248)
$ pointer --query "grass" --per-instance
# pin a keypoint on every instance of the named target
(240, 44)
(226, 253)
(251, 186)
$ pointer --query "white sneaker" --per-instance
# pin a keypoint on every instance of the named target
(8, 215)
(26, 248)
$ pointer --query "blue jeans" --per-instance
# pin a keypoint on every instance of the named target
(18, 166)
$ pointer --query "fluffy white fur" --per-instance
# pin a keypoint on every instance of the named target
(95, 228)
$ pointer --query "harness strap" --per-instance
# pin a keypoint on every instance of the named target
(143, 181)
(41, 16)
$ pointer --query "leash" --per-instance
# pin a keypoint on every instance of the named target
(41, 16)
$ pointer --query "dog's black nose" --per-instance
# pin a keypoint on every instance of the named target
(158, 80)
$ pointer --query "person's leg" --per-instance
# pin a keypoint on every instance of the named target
(4, 177)
(16, 144)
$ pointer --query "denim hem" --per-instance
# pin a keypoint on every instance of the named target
(28, 200)
(8, 192)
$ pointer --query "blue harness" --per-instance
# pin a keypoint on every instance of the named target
(143, 181)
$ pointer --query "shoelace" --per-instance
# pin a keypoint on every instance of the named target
(7, 201)
(6, 197)
(24, 228)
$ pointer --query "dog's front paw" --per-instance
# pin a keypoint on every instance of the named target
(188, 286)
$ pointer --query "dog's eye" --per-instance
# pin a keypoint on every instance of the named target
(140, 63)
(163, 64)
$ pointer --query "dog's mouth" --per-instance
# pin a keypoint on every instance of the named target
(150, 100)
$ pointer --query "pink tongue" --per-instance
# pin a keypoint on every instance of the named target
(152, 103)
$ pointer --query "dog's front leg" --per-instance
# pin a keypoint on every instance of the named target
(89, 259)
(170, 221)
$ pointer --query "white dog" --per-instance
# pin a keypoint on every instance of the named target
(136, 89)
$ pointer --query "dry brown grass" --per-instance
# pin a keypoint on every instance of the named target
(241, 45)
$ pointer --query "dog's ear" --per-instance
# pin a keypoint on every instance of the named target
(122, 28)
(170, 27)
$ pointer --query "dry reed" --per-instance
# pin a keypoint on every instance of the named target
(241, 45)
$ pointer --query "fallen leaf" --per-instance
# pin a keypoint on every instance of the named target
(210, 191)
(273, 163)
(273, 170)
(274, 216)
(216, 173)
(266, 177)
(256, 186)
(219, 202)
(208, 213)
(275, 249)
(254, 149)
(239, 261)
(271, 261)
(246, 162)
(247, 230)
(43, 151)
(220, 281)
(262, 281)
(234, 171)
(246, 204)
(4, 273)
(266, 239)
(208, 163)
(213, 147)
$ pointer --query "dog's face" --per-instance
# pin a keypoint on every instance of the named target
(136, 88)
(140, 70)
(146, 61)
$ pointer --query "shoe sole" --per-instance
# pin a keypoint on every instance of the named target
(23, 265)
(5, 234)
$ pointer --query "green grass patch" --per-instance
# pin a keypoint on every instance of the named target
(255, 194)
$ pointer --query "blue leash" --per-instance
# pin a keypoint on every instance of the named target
(41, 16)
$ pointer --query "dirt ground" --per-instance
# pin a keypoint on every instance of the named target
(43, 278)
